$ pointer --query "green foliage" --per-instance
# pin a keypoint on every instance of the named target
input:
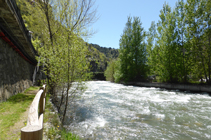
(168, 49)
(100, 56)
(110, 53)
(68, 135)
(57, 31)
(113, 72)
(178, 46)
(198, 25)
(69, 59)
(58, 27)
(55, 131)
(117, 74)
(151, 49)
(131, 64)
(133, 51)
(98, 60)
(109, 72)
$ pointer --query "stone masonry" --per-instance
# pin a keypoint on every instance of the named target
(15, 73)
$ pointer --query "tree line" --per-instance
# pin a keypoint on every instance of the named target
(110, 53)
(176, 49)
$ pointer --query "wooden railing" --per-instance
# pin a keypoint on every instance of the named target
(34, 128)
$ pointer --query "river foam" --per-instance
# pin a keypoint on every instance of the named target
(114, 111)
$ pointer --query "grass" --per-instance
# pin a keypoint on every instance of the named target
(32, 88)
(13, 117)
(55, 131)
(10, 113)
(68, 136)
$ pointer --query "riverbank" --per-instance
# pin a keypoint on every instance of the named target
(52, 124)
(114, 111)
(183, 87)
(14, 114)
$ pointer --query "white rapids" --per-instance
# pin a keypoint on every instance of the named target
(114, 111)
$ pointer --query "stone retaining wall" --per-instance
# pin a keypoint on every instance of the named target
(15, 73)
(195, 88)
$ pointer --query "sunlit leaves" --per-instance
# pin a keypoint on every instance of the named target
(133, 51)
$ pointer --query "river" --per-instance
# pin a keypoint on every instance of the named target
(115, 111)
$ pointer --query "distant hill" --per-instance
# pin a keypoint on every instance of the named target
(110, 53)
(98, 60)
(100, 56)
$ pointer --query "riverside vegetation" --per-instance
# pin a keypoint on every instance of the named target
(58, 27)
(176, 49)
(14, 113)
(11, 112)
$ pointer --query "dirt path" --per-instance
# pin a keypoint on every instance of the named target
(15, 131)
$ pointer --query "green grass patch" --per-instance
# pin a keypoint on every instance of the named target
(68, 135)
(55, 131)
(32, 88)
(11, 110)
(20, 98)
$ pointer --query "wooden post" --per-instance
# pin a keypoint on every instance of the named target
(44, 100)
(32, 133)
(41, 102)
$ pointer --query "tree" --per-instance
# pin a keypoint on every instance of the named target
(180, 29)
(109, 72)
(166, 44)
(183, 42)
(207, 37)
(117, 71)
(133, 51)
(124, 52)
(196, 30)
(60, 26)
(151, 45)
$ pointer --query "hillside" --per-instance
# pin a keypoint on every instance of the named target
(98, 60)
(98, 56)
(110, 53)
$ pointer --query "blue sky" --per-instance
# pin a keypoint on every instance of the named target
(113, 17)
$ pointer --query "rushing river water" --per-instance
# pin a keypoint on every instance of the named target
(114, 111)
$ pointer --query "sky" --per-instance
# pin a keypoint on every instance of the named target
(113, 16)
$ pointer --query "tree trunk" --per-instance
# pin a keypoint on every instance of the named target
(66, 103)
(61, 99)
(209, 65)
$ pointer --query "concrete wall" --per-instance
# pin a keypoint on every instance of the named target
(15, 72)
(195, 88)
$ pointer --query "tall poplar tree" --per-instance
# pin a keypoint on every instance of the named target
(151, 49)
(164, 69)
(124, 51)
(195, 31)
(206, 11)
(133, 51)
(181, 41)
